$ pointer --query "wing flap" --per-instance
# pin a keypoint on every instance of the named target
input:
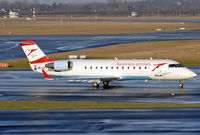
(90, 79)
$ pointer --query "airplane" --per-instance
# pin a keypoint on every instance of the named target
(104, 71)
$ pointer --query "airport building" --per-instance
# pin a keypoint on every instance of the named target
(13, 14)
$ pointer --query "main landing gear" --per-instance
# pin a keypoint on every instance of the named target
(181, 84)
(105, 84)
(96, 84)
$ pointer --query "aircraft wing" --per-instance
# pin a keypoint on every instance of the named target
(92, 79)
(83, 79)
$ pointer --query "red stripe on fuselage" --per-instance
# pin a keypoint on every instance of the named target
(42, 60)
(161, 64)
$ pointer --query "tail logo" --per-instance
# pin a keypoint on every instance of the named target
(31, 51)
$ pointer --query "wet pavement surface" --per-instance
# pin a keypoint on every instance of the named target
(10, 49)
(27, 85)
(117, 121)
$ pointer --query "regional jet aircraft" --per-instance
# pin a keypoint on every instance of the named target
(104, 70)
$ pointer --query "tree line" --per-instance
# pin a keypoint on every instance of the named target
(108, 8)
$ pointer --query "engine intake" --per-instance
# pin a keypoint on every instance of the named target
(60, 65)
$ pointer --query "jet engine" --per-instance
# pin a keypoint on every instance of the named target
(60, 65)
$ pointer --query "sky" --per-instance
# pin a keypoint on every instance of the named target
(59, 1)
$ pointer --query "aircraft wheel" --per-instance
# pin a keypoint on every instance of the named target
(96, 85)
(181, 84)
(106, 84)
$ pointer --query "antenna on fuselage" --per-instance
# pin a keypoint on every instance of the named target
(116, 58)
(151, 58)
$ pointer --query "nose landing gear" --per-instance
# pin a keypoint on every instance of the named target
(181, 84)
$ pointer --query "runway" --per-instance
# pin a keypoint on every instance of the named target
(10, 49)
(28, 85)
(25, 85)
(101, 122)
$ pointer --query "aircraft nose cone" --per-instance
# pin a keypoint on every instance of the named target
(192, 74)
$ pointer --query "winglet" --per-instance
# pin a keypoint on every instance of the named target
(46, 76)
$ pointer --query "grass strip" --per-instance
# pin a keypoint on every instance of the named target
(88, 27)
(51, 105)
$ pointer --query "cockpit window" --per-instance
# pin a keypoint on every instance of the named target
(175, 65)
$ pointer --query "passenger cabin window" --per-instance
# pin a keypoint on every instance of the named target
(175, 65)
(106, 67)
(101, 67)
(91, 67)
(85, 67)
(128, 67)
(139, 67)
(96, 67)
(111, 67)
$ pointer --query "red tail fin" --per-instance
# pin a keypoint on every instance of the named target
(34, 53)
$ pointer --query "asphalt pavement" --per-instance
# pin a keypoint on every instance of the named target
(27, 85)
(101, 122)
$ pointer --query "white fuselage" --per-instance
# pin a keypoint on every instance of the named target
(122, 69)
(103, 70)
